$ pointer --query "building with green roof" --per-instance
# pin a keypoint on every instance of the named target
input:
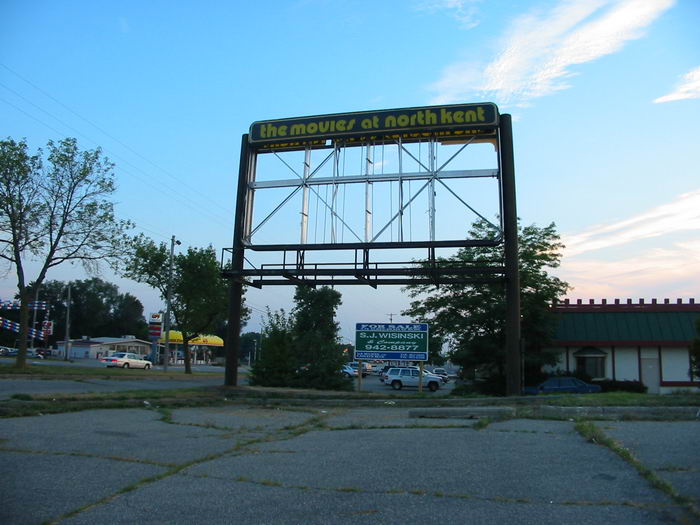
(647, 342)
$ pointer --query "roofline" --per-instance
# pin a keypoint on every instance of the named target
(627, 306)
(588, 342)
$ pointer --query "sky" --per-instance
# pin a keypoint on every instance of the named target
(604, 96)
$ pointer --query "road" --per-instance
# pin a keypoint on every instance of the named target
(11, 386)
(249, 465)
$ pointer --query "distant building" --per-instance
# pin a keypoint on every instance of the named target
(647, 342)
(97, 347)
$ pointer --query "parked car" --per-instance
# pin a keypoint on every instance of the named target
(356, 365)
(562, 385)
(401, 377)
(348, 371)
(126, 360)
(442, 373)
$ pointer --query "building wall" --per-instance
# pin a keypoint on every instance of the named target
(626, 365)
(674, 365)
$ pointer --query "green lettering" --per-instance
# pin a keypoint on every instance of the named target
(445, 116)
(459, 116)
(340, 125)
(390, 121)
(298, 129)
(282, 130)
(470, 116)
(403, 120)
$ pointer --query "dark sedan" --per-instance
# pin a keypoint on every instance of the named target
(562, 385)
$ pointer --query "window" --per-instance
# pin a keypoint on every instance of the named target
(405, 372)
(591, 361)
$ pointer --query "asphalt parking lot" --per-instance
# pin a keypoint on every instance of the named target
(246, 464)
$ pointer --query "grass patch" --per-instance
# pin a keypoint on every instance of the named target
(32, 405)
(620, 399)
(48, 371)
(482, 423)
(594, 434)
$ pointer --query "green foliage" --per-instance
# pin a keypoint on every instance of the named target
(277, 364)
(470, 318)
(435, 344)
(54, 211)
(199, 295)
(97, 309)
(608, 385)
(301, 350)
(695, 354)
(315, 334)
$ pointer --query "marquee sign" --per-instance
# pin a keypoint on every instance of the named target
(450, 121)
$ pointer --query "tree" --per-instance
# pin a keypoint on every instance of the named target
(435, 344)
(57, 214)
(315, 334)
(97, 309)
(277, 366)
(471, 317)
(199, 295)
(695, 354)
(250, 345)
(302, 349)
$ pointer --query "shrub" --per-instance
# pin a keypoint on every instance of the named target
(608, 385)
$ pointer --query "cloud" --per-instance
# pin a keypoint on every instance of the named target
(464, 11)
(689, 87)
(539, 50)
(682, 214)
(668, 269)
(670, 272)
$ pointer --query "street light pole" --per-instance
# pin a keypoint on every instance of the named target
(66, 344)
(168, 297)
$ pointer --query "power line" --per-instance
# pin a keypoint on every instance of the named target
(183, 198)
(126, 146)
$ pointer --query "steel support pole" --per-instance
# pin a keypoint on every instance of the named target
(368, 195)
(510, 235)
(305, 198)
(233, 330)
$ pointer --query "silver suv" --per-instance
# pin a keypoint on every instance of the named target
(401, 377)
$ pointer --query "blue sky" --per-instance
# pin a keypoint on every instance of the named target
(604, 95)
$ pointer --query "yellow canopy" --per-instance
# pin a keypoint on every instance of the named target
(208, 340)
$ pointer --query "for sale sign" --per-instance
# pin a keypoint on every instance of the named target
(391, 341)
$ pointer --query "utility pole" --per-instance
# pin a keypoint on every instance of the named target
(168, 297)
(66, 344)
(36, 300)
(391, 317)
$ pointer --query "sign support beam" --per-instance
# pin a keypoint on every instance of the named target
(510, 235)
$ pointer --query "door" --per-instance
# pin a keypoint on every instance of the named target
(650, 374)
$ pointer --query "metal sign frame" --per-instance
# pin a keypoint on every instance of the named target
(455, 124)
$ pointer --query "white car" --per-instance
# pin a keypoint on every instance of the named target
(401, 377)
(126, 360)
(348, 371)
